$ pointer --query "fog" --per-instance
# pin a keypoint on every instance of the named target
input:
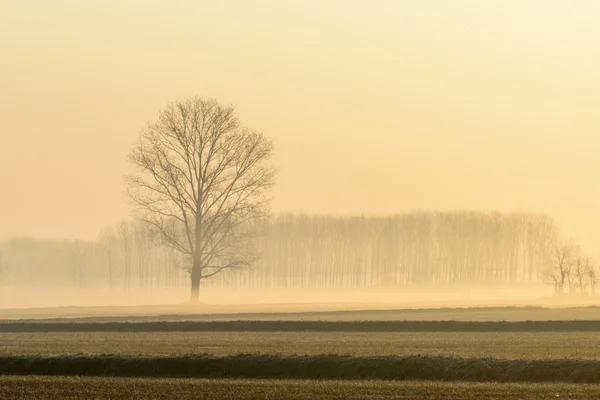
(480, 113)
(307, 262)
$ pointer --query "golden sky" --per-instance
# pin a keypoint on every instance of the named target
(375, 106)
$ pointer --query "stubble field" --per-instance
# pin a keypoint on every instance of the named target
(303, 359)
(501, 345)
(75, 388)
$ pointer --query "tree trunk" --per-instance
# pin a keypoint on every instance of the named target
(195, 276)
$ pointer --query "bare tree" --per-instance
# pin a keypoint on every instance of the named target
(125, 244)
(143, 246)
(581, 267)
(108, 243)
(77, 254)
(203, 181)
(3, 267)
(592, 278)
(559, 270)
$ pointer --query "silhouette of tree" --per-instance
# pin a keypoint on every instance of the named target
(203, 180)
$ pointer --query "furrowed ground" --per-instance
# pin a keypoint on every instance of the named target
(503, 345)
(443, 356)
(75, 388)
(343, 358)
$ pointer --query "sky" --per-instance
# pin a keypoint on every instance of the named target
(374, 107)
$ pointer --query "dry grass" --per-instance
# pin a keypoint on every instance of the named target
(73, 388)
(531, 346)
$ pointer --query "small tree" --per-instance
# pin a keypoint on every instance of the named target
(592, 278)
(76, 253)
(125, 241)
(581, 267)
(108, 243)
(3, 267)
(202, 182)
(577, 274)
(559, 270)
(143, 245)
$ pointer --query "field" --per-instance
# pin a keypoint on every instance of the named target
(300, 312)
(75, 388)
(505, 345)
(513, 353)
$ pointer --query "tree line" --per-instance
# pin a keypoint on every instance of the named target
(423, 248)
(300, 251)
(123, 259)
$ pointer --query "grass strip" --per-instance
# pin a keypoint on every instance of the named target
(309, 367)
(305, 326)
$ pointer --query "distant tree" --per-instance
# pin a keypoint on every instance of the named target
(142, 242)
(559, 270)
(581, 267)
(108, 244)
(203, 180)
(125, 241)
(3, 266)
(76, 253)
(592, 279)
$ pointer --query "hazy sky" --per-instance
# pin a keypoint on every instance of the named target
(374, 106)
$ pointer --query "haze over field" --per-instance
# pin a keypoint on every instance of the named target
(269, 199)
(374, 108)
